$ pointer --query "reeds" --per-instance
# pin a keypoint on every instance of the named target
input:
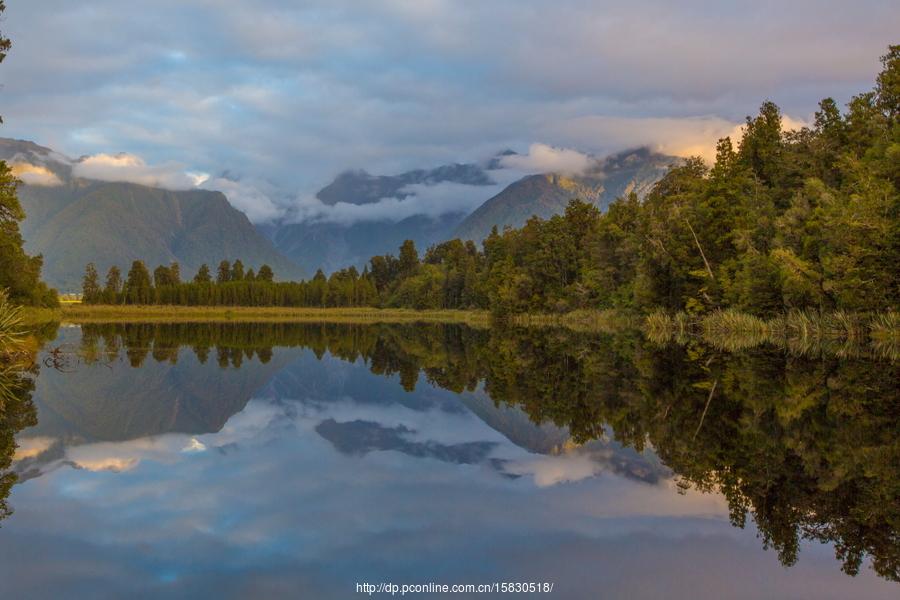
(85, 313)
(837, 333)
(12, 334)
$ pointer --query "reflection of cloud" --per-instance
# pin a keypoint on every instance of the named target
(551, 470)
(194, 445)
(116, 465)
(35, 174)
(30, 447)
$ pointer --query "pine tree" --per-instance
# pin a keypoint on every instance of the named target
(224, 273)
(265, 274)
(90, 285)
(138, 289)
(409, 258)
(237, 271)
(113, 286)
(203, 275)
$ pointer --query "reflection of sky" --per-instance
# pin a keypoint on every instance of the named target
(269, 507)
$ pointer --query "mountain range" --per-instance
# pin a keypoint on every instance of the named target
(548, 194)
(333, 245)
(72, 220)
(76, 221)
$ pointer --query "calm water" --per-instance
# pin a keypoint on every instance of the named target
(250, 461)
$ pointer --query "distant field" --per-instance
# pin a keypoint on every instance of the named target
(83, 313)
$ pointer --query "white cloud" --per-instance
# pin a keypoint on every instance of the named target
(133, 168)
(429, 200)
(678, 136)
(35, 174)
(542, 158)
(554, 469)
(253, 198)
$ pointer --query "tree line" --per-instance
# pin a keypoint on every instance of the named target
(800, 219)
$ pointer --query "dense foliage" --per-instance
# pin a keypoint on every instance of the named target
(788, 219)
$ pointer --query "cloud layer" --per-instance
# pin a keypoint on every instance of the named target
(293, 93)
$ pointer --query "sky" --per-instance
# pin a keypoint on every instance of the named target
(282, 95)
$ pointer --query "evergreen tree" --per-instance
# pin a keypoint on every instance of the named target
(90, 285)
(138, 289)
(265, 274)
(409, 258)
(162, 276)
(237, 271)
(113, 286)
(224, 272)
(203, 275)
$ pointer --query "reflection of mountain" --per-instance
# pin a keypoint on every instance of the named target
(361, 437)
(100, 402)
(515, 425)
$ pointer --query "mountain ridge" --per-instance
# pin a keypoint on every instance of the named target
(114, 223)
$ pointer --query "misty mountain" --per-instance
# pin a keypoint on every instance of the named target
(548, 194)
(72, 221)
(359, 187)
(334, 245)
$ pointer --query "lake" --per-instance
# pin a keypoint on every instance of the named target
(302, 460)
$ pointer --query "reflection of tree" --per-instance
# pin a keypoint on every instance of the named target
(16, 413)
(808, 448)
(17, 368)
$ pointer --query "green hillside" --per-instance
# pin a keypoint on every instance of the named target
(546, 195)
(114, 223)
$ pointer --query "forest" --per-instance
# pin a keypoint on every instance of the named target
(800, 219)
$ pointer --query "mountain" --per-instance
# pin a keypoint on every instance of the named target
(334, 245)
(359, 187)
(548, 194)
(72, 221)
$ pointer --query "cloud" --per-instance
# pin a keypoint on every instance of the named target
(678, 136)
(253, 198)
(35, 174)
(133, 169)
(293, 92)
(427, 200)
(555, 469)
(542, 158)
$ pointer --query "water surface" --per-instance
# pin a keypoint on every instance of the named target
(297, 460)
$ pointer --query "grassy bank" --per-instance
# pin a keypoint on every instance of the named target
(802, 332)
(83, 313)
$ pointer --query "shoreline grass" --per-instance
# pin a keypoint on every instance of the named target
(83, 313)
(837, 333)
(800, 332)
